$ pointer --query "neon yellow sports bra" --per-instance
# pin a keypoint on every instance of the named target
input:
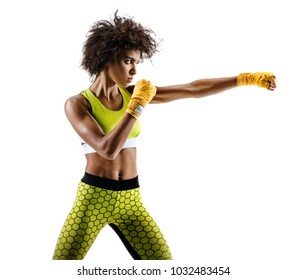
(108, 119)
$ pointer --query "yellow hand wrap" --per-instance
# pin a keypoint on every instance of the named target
(260, 79)
(144, 91)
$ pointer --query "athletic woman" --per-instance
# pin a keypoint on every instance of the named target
(106, 117)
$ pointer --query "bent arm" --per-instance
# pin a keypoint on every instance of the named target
(107, 145)
(195, 89)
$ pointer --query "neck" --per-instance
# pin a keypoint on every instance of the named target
(104, 88)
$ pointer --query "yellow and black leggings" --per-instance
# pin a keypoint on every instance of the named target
(100, 202)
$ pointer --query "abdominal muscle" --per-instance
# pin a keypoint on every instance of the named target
(123, 167)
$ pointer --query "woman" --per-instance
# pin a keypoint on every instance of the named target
(105, 116)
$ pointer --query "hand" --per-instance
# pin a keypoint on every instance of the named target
(261, 79)
(144, 91)
(272, 84)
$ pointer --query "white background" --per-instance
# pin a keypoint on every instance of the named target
(223, 176)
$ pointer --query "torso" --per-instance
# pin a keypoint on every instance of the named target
(121, 168)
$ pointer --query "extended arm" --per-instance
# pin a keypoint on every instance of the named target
(206, 87)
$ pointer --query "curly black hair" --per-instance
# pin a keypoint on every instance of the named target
(107, 39)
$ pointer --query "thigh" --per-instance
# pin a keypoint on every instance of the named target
(90, 213)
(137, 227)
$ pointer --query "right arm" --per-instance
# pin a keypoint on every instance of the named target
(107, 145)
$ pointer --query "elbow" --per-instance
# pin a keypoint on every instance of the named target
(108, 152)
(110, 155)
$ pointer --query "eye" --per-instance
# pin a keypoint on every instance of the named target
(128, 61)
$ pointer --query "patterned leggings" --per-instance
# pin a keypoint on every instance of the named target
(100, 202)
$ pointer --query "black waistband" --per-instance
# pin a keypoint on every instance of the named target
(110, 184)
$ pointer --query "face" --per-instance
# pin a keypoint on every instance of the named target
(122, 72)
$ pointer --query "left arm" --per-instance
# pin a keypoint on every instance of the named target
(206, 87)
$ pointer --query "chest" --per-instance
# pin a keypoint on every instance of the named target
(114, 104)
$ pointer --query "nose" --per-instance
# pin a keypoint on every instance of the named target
(133, 70)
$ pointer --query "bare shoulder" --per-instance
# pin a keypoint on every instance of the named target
(77, 101)
(76, 104)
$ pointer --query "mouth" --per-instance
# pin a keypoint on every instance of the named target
(130, 80)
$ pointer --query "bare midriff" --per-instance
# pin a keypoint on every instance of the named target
(123, 167)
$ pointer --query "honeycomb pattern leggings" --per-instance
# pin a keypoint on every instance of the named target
(101, 202)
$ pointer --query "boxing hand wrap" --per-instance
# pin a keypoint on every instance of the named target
(144, 91)
(260, 79)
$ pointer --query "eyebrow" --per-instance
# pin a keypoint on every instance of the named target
(128, 57)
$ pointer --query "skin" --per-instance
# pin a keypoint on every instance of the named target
(111, 161)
